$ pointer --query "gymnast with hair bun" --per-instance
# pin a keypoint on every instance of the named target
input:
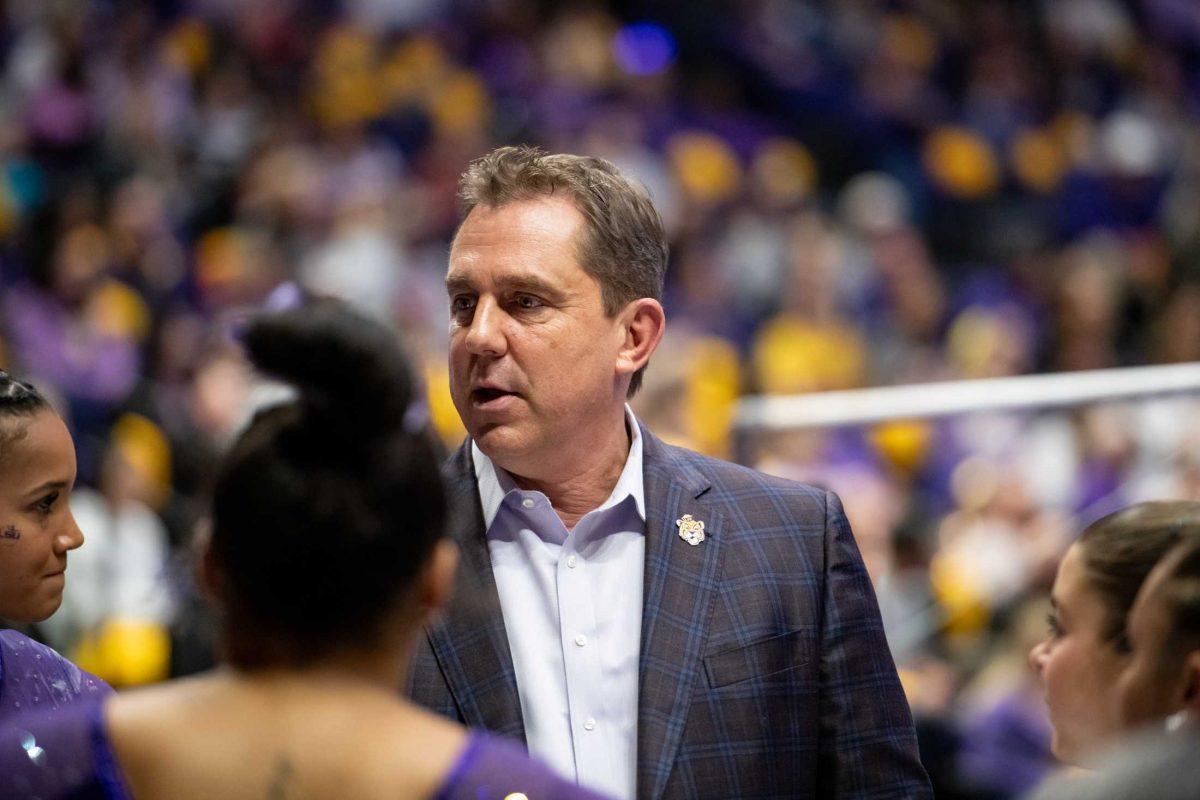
(37, 531)
(325, 557)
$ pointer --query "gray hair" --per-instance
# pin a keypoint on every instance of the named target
(623, 247)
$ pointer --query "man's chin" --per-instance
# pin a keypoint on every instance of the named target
(506, 445)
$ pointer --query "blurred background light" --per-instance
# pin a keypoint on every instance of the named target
(644, 48)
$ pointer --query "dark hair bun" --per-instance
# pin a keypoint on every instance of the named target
(351, 372)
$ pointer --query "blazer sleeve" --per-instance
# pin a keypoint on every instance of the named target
(868, 746)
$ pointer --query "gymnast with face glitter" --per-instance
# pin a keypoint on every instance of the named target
(37, 531)
(326, 556)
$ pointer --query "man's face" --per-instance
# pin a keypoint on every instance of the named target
(37, 473)
(532, 353)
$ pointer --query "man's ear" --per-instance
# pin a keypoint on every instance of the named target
(437, 578)
(642, 324)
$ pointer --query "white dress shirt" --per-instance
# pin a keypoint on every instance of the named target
(572, 606)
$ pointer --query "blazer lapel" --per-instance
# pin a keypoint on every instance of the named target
(470, 642)
(679, 587)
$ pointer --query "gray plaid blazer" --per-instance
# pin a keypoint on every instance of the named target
(764, 671)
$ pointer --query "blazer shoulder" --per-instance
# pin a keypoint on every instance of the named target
(725, 478)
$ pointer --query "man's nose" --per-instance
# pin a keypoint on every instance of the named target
(485, 336)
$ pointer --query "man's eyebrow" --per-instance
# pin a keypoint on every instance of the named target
(455, 284)
(528, 283)
(510, 283)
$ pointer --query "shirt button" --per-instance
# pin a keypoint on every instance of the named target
(589, 724)
(571, 562)
(528, 502)
(581, 640)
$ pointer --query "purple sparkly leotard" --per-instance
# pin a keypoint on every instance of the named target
(33, 677)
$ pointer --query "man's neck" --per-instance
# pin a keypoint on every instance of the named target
(589, 483)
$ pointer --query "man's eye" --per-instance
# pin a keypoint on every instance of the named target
(460, 304)
(528, 301)
(1054, 625)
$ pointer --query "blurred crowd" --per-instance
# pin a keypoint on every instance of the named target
(857, 192)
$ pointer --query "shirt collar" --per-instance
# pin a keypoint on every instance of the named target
(495, 483)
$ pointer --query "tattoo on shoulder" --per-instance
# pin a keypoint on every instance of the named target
(280, 787)
(10, 532)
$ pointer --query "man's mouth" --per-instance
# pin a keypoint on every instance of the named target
(483, 396)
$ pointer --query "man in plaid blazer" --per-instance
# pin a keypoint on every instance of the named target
(757, 663)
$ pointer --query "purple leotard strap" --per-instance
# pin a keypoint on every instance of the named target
(491, 768)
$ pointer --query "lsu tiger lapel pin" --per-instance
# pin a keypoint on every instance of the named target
(690, 530)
